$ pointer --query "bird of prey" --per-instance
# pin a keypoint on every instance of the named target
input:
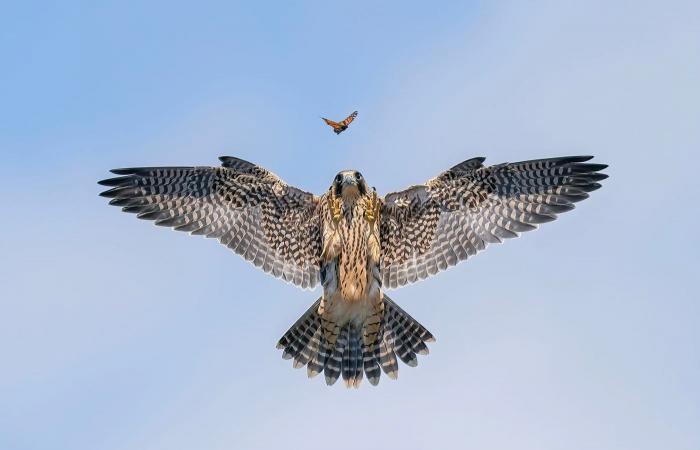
(355, 243)
(339, 127)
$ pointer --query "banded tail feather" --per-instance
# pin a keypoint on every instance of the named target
(400, 336)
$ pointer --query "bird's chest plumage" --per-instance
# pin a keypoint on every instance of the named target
(351, 258)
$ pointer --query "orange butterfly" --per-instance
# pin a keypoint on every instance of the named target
(339, 127)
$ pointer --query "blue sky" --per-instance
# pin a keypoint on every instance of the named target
(119, 335)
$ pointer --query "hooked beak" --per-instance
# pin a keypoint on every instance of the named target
(350, 187)
(349, 180)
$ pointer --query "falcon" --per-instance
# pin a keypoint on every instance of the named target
(355, 243)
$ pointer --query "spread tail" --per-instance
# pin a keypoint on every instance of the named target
(399, 335)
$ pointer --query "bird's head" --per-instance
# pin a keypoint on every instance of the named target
(350, 185)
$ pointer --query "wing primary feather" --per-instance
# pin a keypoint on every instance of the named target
(212, 201)
(424, 226)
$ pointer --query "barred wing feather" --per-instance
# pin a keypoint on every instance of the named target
(427, 228)
(247, 208)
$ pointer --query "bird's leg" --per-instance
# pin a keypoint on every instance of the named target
(372, 212)
(372, 206)
(336, 206)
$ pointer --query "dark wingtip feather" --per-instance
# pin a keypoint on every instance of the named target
(121, 201)
(591, 187)
(469, 164)
(589, 167)
(116, 181)
(110, 193)
(543, 218)
(577, 197)
(596, 176)
(146, 170)
(234, 163)
(120, 191)
(560, 208)
(125, 171)
(574, 159)
(133, 209)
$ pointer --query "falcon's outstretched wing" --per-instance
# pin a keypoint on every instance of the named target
(428, 228)
(249, 209)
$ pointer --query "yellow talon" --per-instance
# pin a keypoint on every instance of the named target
(372, 206)
(336, 206)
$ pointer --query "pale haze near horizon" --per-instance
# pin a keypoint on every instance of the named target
(116, 334)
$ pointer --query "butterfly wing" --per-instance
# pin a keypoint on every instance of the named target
(335, 125)
(349, 119)
(339, 127)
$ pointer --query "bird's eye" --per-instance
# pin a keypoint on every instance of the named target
(358, 175)
(338, 178)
